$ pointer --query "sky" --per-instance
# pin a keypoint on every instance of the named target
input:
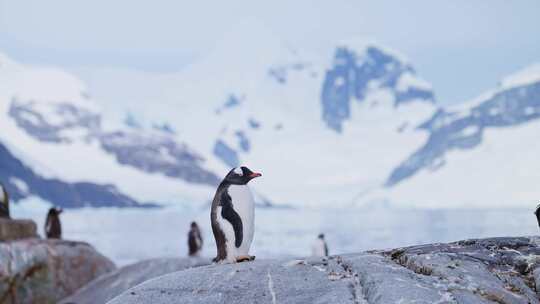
(462, 47)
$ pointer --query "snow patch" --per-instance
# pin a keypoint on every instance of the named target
(408, 80)
(526, 76)
(20, 184)
(470, 130)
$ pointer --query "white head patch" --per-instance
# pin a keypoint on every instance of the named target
(238, 171)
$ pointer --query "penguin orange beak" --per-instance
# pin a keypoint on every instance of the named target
(255, 174)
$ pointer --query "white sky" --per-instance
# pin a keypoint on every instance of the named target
(461, 47)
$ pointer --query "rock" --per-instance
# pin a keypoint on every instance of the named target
(45, 271)
(11, 229)
(114, 283)
(494, 270)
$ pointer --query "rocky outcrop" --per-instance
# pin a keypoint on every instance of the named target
(11, 229)
(114, 283)
(495, 270)
(45, 271)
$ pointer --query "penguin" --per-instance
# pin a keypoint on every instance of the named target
(232, 216)
(195, 240)
(4, 202)
(53, 228)
(537, 213)
(319, 248)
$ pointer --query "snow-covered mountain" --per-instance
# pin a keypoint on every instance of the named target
(479, 153)
(349, 126)
(53, 145)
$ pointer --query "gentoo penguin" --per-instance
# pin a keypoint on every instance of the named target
(319, 248)
(4, 202)
(232, 216)
(53, 228)
(537, 213)
(195, 241)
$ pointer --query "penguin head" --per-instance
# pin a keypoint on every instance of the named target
(240, 176)
(55, 211)
(321, 236)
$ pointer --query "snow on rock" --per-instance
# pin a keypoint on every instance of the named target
(408, 80)
(51, 122)
(470, 271)
(45, 271)
(526, 76)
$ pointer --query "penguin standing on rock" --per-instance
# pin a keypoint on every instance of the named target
(232, 216)
(4, 202)
(53, 228)
(320, 248)
(195, 241)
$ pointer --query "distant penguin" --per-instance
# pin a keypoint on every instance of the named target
(195, 240)
(232, 216)
(319, 248)
(537, 213)
(4, 202)
(53, 228)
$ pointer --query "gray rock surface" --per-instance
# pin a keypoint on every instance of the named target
(45, 271)
(114, 283)
(495, 270)
(11, 229)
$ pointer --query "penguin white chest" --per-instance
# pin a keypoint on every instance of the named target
(2, 196)
(243, 204)
(318, 248)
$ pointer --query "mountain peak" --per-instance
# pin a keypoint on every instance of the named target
(362, 68)
(362, 46)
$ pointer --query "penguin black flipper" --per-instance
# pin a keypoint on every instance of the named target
(325, 249)
(537, 213)
(228, 213)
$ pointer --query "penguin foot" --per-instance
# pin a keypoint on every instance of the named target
(245, 258)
